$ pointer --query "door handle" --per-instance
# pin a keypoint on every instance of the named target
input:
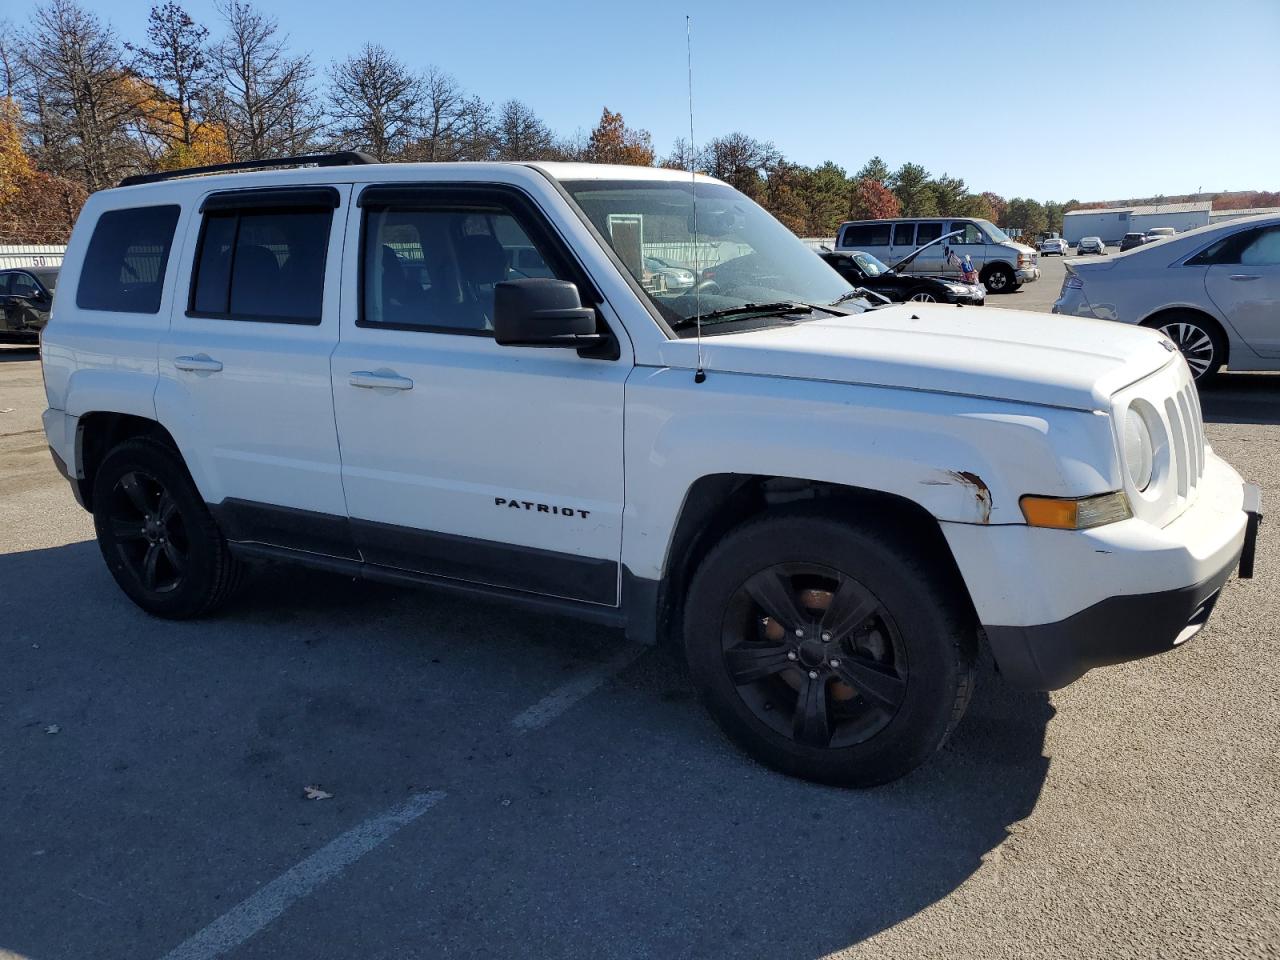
(380, 379)
(1246, 276)
(200, 363)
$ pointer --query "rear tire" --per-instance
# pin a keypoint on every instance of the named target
(1198, 339)
(156, 534)
(999, 279)
(873, 680)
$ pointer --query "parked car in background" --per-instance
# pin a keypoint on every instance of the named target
(1003, 264)
(1215, 292)
(26, 296)
(1131, 240)
(1159, 233)
(673, 275)
(1053, 244)
(863, 270)
(1090, 245)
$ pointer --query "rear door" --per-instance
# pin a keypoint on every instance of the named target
(901, 242)
(244, 374)
(930, 262)
(461, 458)
(1243, 280)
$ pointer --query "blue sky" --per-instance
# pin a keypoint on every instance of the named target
(1084, 99)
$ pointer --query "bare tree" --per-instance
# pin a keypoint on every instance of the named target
(9, 63)
(175, 60)
(741, 161)
(265, 99)
(443, 109)
(374, 102)
(80, 96)
(520, 135)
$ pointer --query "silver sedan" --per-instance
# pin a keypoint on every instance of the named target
(1090, 245)
(1215, 292)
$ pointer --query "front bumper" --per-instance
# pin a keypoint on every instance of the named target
(1027, 274)
(1055, 604)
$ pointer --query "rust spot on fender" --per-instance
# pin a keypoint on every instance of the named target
(981, 492)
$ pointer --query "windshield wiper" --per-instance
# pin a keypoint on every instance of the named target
(747, 309)
(869, 295)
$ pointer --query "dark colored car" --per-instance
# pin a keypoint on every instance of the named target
(26, 294)
(863, 270)
(1132, 240)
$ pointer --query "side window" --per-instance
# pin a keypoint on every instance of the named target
(433, 267)
(123, 269)
(262, 264)
(23, 286)
(1264, 250)
(866, 235)
(971, 233)
(927, 232)
(904, 235)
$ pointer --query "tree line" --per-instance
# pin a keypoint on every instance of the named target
(80, 109)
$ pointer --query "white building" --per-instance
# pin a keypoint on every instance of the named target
(26, 255)
(1112, 223)
(1219, 216)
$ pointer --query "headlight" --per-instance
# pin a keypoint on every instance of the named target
(1138, 449)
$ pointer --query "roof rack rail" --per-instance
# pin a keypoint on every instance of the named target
(344, 158)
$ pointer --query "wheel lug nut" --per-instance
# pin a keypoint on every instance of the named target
(813, 674)
(835, 663)
(791, 654)
(826, 638)
(799, 633)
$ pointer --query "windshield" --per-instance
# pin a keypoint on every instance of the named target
(48, 277)
(869, 264)
(741, 254)
(994, 232)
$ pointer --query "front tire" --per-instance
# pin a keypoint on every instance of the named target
(998, 279)
(828, 650)
(156, 534)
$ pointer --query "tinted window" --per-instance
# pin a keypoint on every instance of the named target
(971, 233)
(866, 235)
(435, 269)
(1256, 247)
(23, 286)
(926, 232)
(904, 235)
(5, 278)
(262, 264)
(123, 269)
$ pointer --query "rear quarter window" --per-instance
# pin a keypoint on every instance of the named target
(124, 267)
(866, 235)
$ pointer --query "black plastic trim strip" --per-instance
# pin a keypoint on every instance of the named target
(503, 565)
(343, 158)
(247, 521)
(272, 198)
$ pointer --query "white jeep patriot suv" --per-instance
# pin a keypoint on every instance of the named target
(471, 376)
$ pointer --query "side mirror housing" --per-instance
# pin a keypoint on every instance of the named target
(543, 312)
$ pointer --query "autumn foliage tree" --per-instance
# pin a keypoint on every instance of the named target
(872, 200)
(612, 141)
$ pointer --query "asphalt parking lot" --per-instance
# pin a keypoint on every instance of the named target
(505, 784)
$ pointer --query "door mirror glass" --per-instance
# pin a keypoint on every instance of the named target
(541, 312)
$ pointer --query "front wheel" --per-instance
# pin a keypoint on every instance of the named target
(922, 296)
(998, 279)
(827, 650)
(156, 534)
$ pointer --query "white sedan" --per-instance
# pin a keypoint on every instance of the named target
(1215, 292)
(1054, 245)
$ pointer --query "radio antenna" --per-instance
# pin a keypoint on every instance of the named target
(700, 374)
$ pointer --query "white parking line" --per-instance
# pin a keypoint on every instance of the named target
(253, 913)
(567, 694)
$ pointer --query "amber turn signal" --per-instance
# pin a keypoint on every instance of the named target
(1060, 513)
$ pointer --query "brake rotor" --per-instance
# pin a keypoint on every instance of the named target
(818, 601)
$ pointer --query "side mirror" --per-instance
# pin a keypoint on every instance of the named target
(542, 312)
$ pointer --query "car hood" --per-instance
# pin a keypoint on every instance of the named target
(989, 352)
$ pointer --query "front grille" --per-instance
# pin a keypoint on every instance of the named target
(1186, 435)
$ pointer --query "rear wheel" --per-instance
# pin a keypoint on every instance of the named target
(156, 534)
(828, 651)
(998, 279)
(1198, 340)
(923, 296)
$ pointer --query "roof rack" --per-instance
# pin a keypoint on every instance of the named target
(344, 158)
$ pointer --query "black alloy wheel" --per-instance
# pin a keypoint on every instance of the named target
(149, 533)
(814, 655)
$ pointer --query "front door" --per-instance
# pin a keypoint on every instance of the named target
(971, 243)
(1244, 282)
(461, 458)
(244, 375)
